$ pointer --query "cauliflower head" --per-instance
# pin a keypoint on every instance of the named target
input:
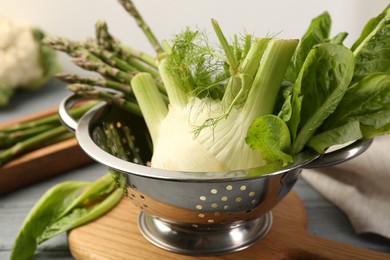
(25, 61)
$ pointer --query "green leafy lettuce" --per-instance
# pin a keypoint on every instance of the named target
(372, 48)
(319, 88)
(333, 94)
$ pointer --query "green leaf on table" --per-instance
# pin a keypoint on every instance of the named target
(79, 216)
(63, 207)
(44, 212)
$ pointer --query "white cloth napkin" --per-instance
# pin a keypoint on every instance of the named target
(360, 187)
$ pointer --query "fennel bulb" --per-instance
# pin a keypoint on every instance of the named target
(215, 148)
(205, 124)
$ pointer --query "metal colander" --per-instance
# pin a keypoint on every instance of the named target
(195, 213)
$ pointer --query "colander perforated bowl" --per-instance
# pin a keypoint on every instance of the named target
(195, 213)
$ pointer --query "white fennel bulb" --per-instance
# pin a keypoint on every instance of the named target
(215, 148)
(204, 126)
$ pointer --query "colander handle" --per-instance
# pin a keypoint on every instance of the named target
(63, 110)
(341, 155)
(65, 118)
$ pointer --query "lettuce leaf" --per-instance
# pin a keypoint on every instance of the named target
(339, 135)
(270, 136)
(318, 32)
(367, 102)
(333, 95)
(63, 207)
(319, 88)
(372, 48)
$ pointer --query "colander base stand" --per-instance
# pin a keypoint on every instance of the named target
(216, 240)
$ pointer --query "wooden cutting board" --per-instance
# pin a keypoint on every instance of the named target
(116, 236)
(41, 163)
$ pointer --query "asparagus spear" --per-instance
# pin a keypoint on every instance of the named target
(130, 8)
(8, 139)
(50, 119)
(101, 82)
(106, 41)
(20, 138)
(118, 100)
(115, 64)
(44, 138)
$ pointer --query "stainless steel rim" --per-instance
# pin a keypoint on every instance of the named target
(94, 151)
(307, 159)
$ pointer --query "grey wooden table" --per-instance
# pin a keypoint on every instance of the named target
(323, 218)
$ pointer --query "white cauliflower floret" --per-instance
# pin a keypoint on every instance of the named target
(19, 54)
(24, 63)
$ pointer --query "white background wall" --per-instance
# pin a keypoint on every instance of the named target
(76, 18)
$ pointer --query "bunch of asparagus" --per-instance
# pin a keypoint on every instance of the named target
(116, 65)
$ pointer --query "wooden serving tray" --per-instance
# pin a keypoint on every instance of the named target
(42, 163)
(116, 236)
